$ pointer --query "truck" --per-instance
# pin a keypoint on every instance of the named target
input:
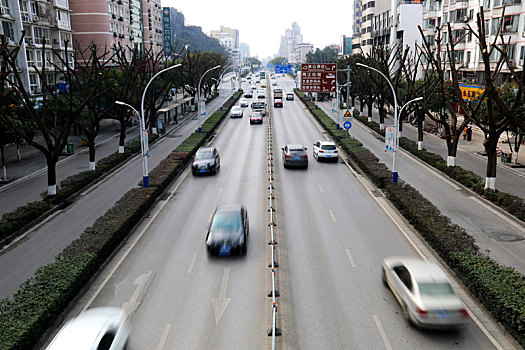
(277, 93)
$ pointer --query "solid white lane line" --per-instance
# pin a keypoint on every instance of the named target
(382, 333)
(320, 188)
(332, 215)
(349, 255)
(192, 263)
(163, 337)
(134, 243)
(220, 192)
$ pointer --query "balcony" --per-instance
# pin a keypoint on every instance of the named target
(62, 4)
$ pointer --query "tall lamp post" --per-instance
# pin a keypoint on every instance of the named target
(396, 124)
(144, 131)
(222, 74)
(200, 81)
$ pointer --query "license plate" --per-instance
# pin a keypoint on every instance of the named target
(296, 158)
(225, 250)
(202, 170)
(444, 313)
(328, 156)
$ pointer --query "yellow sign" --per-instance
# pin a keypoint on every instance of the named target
(470, 92)
(347, 114)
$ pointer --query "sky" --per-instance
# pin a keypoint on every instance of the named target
(262, 23)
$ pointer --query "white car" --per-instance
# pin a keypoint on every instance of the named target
(261, 93)
(424, 292)
(236, 112)
(98, 328)
(325, 150)
(243, 102)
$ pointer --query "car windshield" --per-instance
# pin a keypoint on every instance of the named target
(226, 224)
(258, 105)
(256, 115)
(204, 155)
(328, 147)
(435, 289)
(297, 152)
(236, 108)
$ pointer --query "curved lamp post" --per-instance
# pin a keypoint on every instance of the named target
(396, 125)
(200, 81)
(144, 131)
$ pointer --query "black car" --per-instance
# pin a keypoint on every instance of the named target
(248, 94)
(295, 155)
(206, 161)
(228, 232)
(289, 97)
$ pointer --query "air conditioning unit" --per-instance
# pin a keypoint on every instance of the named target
(36, 19)
(3, 11)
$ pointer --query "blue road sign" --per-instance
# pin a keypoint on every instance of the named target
(347, 125)
(283, 68)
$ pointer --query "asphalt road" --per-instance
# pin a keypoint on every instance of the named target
(20, 260)
(332, 237)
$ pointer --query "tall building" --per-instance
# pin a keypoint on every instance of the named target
(45, 23)
(301, 50)
(385, 22)
(229, 39)
(461, 13)
(152, 25)
(289, 41)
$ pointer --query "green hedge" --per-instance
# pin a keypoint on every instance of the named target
(41, 299)
(508, 202)
(500, 289)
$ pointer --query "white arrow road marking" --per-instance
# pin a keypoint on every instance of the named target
(141, 282)
(192, 263)
(164, 336)
(349, 255)
(221, 303)
(332, 215)
(120, 285)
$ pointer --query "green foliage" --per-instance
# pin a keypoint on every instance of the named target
(278, 60)
(501, 289)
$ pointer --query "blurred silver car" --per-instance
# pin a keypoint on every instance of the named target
(295, 155)
(236, 112)
(424, 292)
(104, 328)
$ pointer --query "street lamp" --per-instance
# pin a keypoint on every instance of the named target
(144, 131)
(199, 87)
(396, 125)
(140, 124)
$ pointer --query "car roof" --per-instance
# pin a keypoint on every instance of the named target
(223, 208)
(422, 271)
(206, 149)
(295, 147)
(326, 142)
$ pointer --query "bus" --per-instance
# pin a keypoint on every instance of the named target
(277, 93)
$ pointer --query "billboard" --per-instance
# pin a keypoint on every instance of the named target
(166, 31)
(318, 77)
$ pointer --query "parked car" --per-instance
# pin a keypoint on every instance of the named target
(236, 112)
(228, 231)
(325, 150)
(289, 96)
(278, 103)
(104, 328)
(424, 292)
(248, 94)
(294, 155)
(206, 161)
(243, 102)
(256, 118)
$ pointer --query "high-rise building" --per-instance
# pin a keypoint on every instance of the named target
(229, 39)
(152, 25)
(467, 53)
(289, 41)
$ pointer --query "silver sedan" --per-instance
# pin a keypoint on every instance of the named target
(424, 292)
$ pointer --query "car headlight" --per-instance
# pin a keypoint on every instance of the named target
(211, 164)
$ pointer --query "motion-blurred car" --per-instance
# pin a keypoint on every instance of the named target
(295, 155)
(102, 328)
(256, 118)
(325, 150)
(289, 96)
(424, 292)
(278, 102)
(236, 112)
(228, 230)
(243, 102)
(248, 94)
(206, 161)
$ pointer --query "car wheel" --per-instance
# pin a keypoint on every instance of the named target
(306, 166)
(406, 315)
(215, 170)
(383, 278)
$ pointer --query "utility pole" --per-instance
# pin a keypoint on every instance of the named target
(348, 88)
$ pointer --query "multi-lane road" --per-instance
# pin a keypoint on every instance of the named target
(332, 236)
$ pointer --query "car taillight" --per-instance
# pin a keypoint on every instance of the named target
(287, 156)
(421, 312)
(336, 151)
(321, 151)
(464, 312)
(305, 156)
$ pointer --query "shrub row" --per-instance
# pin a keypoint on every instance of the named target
(514, 205)
(40, 300)
(500, 289)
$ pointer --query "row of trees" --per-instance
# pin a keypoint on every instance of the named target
(431, 72)
(81, 94)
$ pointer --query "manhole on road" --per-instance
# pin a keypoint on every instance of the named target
(505, 236)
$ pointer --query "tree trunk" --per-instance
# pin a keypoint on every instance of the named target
(51, 174)
(420, 115)
(369, 103)
(490, 145)
(381, 116)
(91, 145)
(3, 163)
(122, 136)
(361, 105)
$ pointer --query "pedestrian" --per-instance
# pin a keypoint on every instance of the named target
(465, 133)
(469, 133)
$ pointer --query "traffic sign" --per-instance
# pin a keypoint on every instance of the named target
(283, 68)
(318, 77)
(347, 114)
(347, 125)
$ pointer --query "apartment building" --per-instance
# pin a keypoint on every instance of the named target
(289, 41)
(301, 50)
(45, 24)
(229, 39)
(459, 14)
(152, 25)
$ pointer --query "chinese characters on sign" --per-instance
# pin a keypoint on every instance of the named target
(470, 92)
(166, 30)
(318, 77)
(389, 138)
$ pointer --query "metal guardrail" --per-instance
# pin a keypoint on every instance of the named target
(274, 331)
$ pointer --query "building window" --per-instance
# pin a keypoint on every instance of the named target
(486, 4)
(510, 24)
(7, 28)
(33, 84)
(458, 56)
(469, 53)
(30, 55)
(522, 52)
(511, 49)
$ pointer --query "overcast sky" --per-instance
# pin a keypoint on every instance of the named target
(262, 23)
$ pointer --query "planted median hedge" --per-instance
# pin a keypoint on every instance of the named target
(501, 289)
(40, 300)
(512, 204)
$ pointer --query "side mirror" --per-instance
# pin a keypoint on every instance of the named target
(282, 148)
(305, 148)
